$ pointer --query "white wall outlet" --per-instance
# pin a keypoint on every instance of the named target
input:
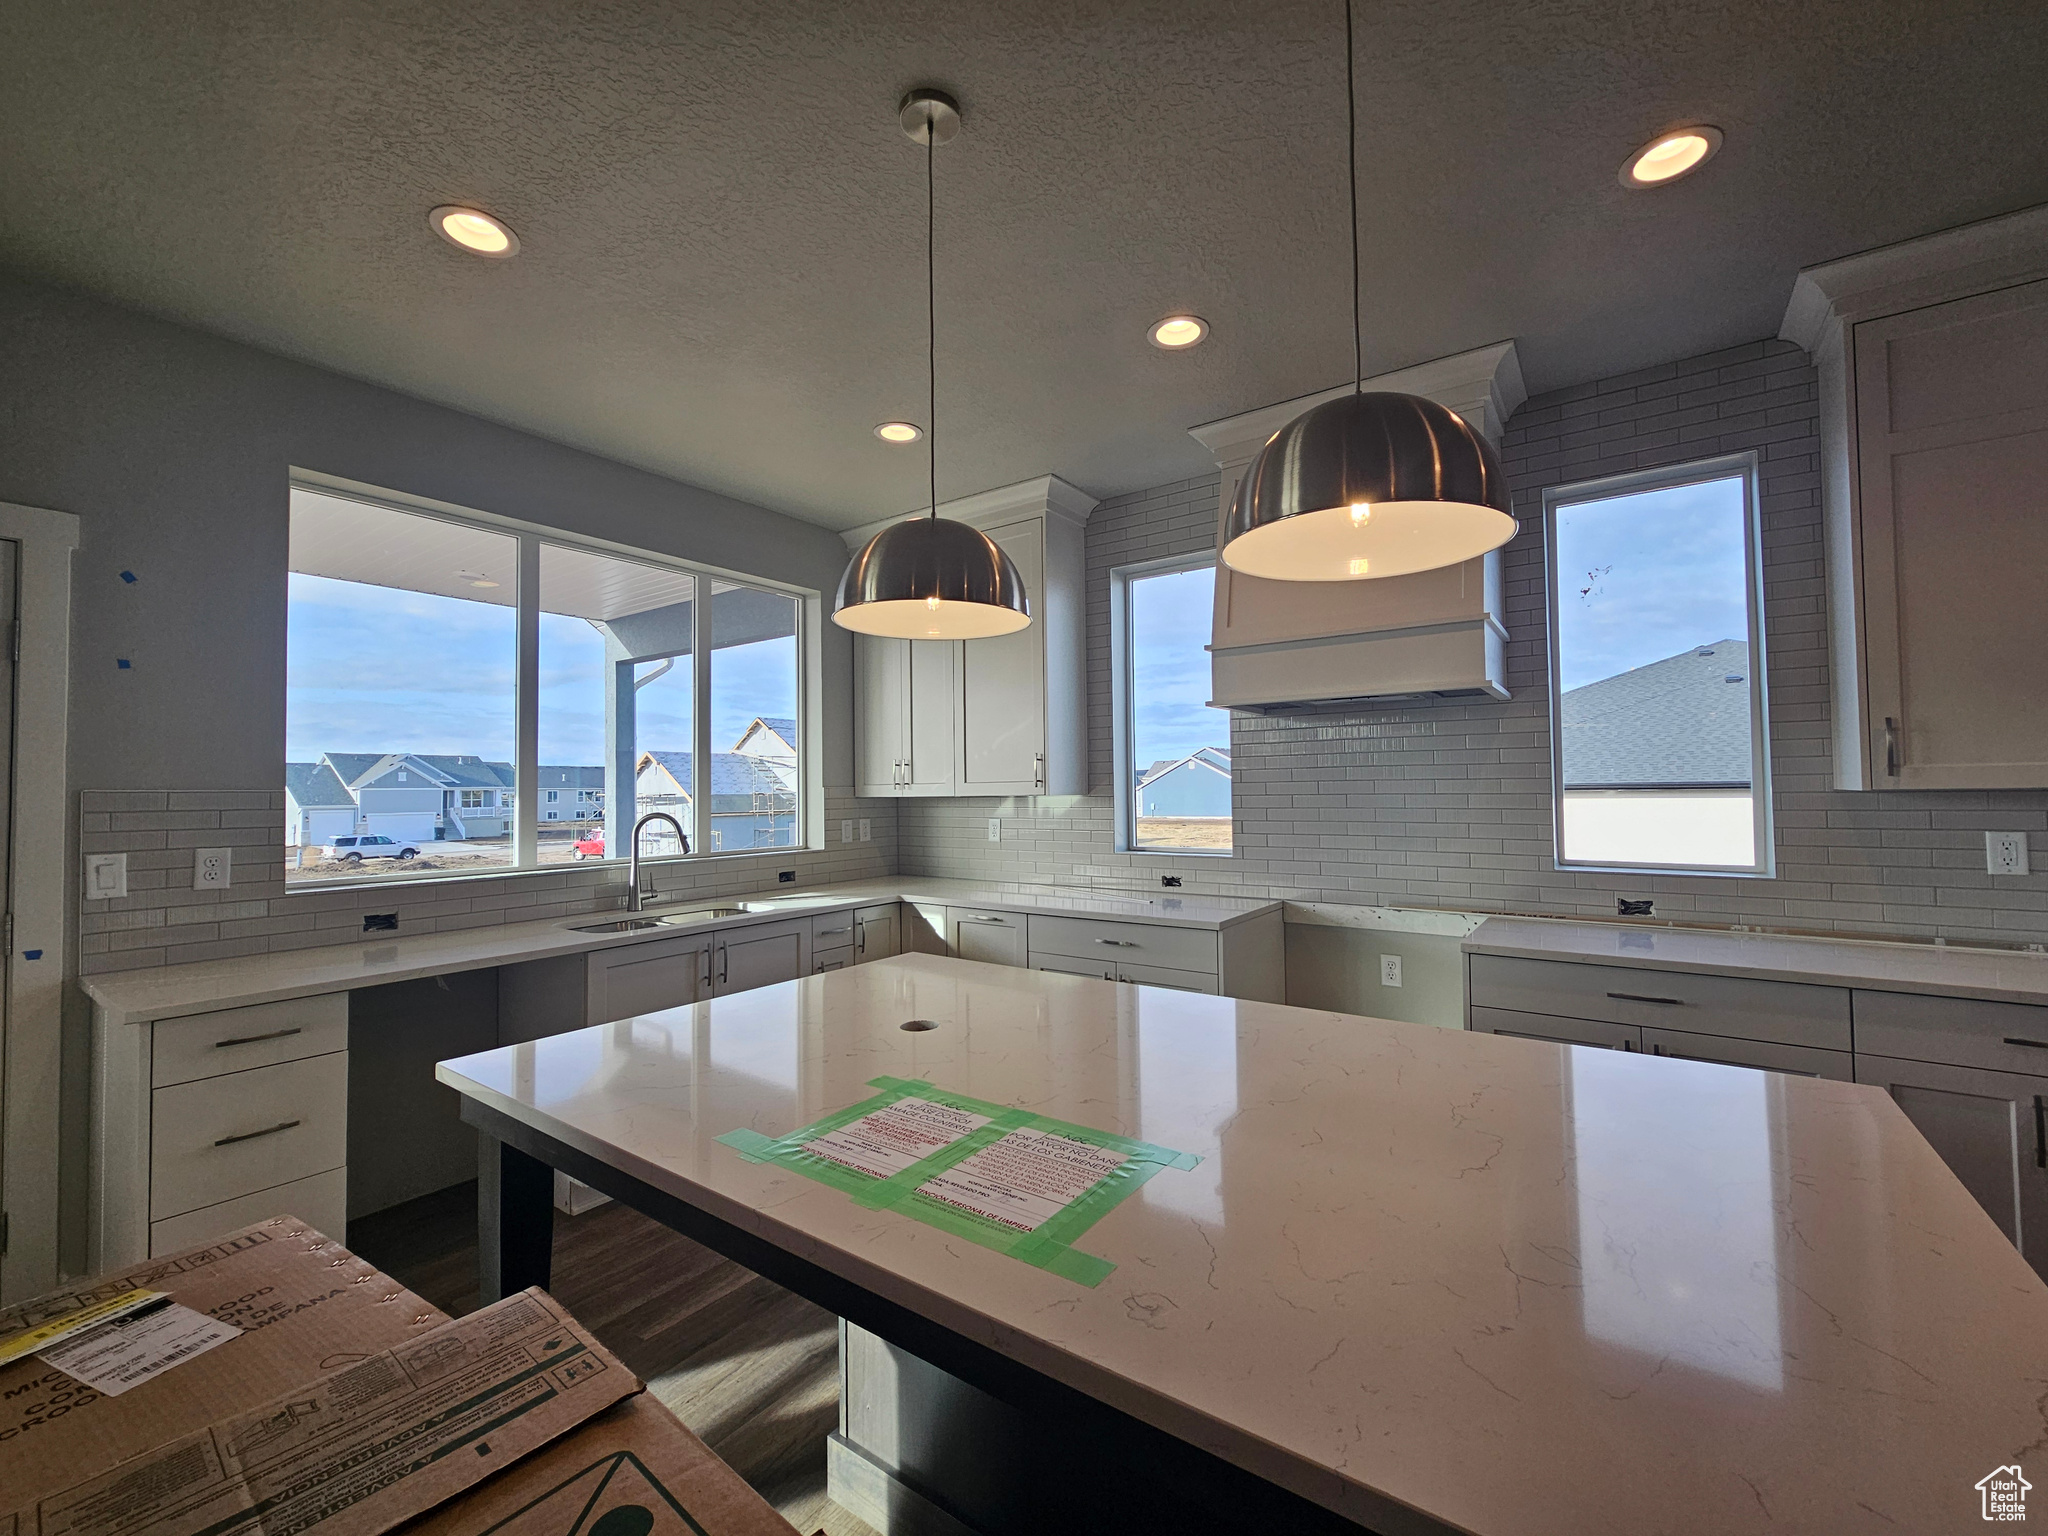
(1390, 970)
(2005, 853)
(995, 829)
(210, 869)
(867, 830)
(846, 830)
(106, 876)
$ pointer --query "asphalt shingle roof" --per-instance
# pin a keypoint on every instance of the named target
(1680, 721)
(311, 784)
(732, 773)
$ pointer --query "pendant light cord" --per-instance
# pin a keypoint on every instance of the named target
(1351, 161)
(931, 304)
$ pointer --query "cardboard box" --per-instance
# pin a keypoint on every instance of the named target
(633, 1471)
(308, 1306)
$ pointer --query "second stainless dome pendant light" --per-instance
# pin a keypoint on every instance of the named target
(1371, 484)
(931, 578)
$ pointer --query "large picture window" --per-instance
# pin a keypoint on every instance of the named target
(406, 689)
(1659, 749)
(1172, 748)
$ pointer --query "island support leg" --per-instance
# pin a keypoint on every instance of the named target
(515, 1219)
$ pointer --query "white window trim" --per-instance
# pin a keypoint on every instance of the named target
(526, 723)
(1723, 467)
(1120, 691)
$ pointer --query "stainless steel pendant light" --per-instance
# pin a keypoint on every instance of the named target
(931, 578)
(1371, 484)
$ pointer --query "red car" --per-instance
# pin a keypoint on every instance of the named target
(588, 848)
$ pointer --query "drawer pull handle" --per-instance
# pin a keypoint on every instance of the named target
(826, 933)
(1640, 997)
(1119, 943)
(2039, 1045)
(275, 1034)
(1001, 922)
(285, 1125)
(2040, 1131)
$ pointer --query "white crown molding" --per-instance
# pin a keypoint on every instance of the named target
(1047, 494)
(1930, 270)
(1484, 386)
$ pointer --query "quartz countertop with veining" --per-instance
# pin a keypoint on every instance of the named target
(1943, 970)
(175, 991)
(1523, 1289)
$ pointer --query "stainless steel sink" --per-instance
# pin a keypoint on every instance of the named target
(618, 925)
(645, 920)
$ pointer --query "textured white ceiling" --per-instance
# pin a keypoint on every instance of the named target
(722, 225)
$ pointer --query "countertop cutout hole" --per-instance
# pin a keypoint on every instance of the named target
(917, 1026)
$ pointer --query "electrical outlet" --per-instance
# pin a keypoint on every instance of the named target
(1390, 970)
(867, 830)
(210, 869)
(1623, 907)
(380, 922)
(846, 831)
(995, 829)
(2005, 853)
(106, 876)
(785, 876)
(1171, 882)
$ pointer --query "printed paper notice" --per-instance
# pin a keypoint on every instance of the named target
(1025, 1179)
(893, 1137)
(130, 1350)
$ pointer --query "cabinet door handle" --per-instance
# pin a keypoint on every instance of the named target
(1038, 771)
(1639, 997)
(724, 964)
(2041, 1130)
(275, 1034)
(272, 1130)
(971, 918)
(1891, 747)
(706, 983)
(1628, 1045)
(2038, 1045)
(826, 933)
(860, 938)
(1119, 943)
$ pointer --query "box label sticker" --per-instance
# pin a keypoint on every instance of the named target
(129, 1350)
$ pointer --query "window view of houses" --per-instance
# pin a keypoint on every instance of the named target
(1180, 789)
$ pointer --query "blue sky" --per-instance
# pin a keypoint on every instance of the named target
(1644, 577)
(1170, 619)
(376, 669)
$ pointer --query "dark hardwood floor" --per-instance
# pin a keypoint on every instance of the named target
(750, 1367)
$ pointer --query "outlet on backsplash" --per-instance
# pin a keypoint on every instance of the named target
(380, 922)
(1171, 882)
(1623, 907)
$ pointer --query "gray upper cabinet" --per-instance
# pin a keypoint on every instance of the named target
(1933, 363)
(1004, 716)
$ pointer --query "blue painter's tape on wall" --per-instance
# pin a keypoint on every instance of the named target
(31, 954)
(122, 663)
(129, 577)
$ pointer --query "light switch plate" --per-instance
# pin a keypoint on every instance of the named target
(1390, 970)
(2005, 853)
(846, 830)
(995, 829)
(211, 870)
(106, 876)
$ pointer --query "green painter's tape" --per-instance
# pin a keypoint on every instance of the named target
(1050, 1247)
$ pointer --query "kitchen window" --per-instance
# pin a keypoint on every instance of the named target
(407, 683)
(1172, 749)
(1660, 752)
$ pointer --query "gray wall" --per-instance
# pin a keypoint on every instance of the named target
(1446, 803)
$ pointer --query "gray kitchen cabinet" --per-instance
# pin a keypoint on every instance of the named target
(996, 938)
(1066, 965)
(1768, 1055)
(1991, 1128)
(905, 715)
(646, 977)
(877, 933)
(1558, 1031)
(1165, 976)
(760, 956)
(1003, 686)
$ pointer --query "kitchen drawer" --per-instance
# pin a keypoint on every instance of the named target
(279, 1124)
(1961, 1031)
(1543, 1026)
(1180, 949)
(994, 938)
(208, 1044)
(1069, 965)
(320, 1202)
(832, 930)
(1800, 1060)
(1787, 1012)
(1161, 976)
(831, 959)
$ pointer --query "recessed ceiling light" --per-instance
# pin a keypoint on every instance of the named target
(474, 231)
(899, 432)
(1670, 156)
(1176, 333)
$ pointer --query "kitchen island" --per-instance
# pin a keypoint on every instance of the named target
(1419, 1280)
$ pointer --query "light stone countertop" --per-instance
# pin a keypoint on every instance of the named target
(1946, 970)
(1524, 1289)
(169, 992)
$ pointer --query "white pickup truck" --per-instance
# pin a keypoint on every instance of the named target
(353, 850)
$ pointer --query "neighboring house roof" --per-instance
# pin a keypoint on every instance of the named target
(353, 768)
(731, 773)
(466, 772)
(445, 770)
(569, 778)
(1679, 722)
(1216, 759)
(773, 735)
(315, 784)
